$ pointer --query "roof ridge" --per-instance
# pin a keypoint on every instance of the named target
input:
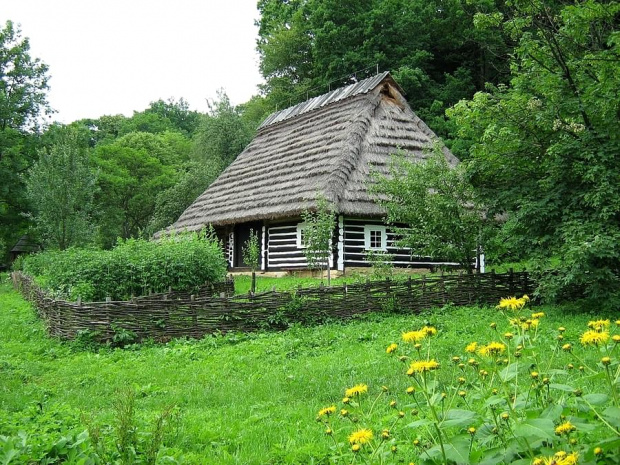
(341, 93)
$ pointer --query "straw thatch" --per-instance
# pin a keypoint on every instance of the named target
(327, 145)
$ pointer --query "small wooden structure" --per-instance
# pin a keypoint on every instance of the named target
(24, 245)
(328, 145)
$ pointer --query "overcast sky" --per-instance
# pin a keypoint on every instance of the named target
(117, 56)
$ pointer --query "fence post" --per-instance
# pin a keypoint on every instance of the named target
(511, 282)
(442, 287)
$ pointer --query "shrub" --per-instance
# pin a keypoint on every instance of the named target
(133, 267)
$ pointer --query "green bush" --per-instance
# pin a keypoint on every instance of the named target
(133, 267)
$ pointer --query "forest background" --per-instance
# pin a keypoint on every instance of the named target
(525, 93)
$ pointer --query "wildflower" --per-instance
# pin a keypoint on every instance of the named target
(327, 411)
(423, 366)
(598, 451)
(491, 349)
(505, 416)
(561, 329)
(570, 366)
(494, 392)
(429, 330)
(534, 374)
(329, 431)
(414, 336)
(416, 442)
(391, 348)
(606, 361)
(394, 449)
(393, 404)
(529, 324)
(385, 388)
(417, 346)
(385, 434)
(560, 337)
(356, 447)
(346, 400)
(616, 338)
(461, 380)
(471, 430)
(546, 381)
(617, 322)
(401, 414)
(493, 325)
(565, 428)
(512, 303)
(472, 362)
(598, 325)
(458, 359)
(538, 315)
(471, 347)
(344, 412)
(361, 436)
(410, 390)
(461, 366)
(462, 393)
(567, 347)
(594, 338)
(356, 390)
(508, 336)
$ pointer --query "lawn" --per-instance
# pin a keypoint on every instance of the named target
(240, 398)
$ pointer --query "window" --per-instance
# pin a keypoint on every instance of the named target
(300, 236)
(375, 238)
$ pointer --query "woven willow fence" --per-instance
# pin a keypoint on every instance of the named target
(166, 316)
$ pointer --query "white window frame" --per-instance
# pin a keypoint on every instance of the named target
(300, 228)
(367, 230)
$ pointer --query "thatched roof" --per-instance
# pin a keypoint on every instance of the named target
(327, 145)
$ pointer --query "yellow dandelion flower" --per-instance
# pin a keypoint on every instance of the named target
(356, 390)
(471, 347)
(492, 349)
(508, 335)
(599, 325)
(512, 303)
(594, 338)
(414, 336)
(598, 451)
(429, 330)
(538, 315)
(361, 436)
(565, 428)
(606, 361)
(570, 459)
(422, 366)
(617, 322)
(356, 447)
(327, 411)
(616, 338)
(391, 348)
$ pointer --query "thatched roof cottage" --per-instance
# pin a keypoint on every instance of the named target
(329, 145)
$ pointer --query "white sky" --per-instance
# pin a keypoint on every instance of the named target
(116, 56)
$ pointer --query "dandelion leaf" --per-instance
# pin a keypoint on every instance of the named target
(552, 412)
(510, 372)
(596, 399)
(535, 428)
(612, 416)
(458, 417)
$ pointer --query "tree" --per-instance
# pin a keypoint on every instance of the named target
(23, 99)
(60, 187)
(251, 255)
(442, 215)
(545, 148)
(222, 134)
(134, 169)
(317, 235)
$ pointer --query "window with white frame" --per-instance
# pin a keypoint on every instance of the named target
(375, 237)
(300, 235)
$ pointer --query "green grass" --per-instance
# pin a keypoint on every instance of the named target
(241, 399)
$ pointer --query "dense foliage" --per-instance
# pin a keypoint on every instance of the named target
(23, 99)
(134, 267)
(545, 148)
(442, 214)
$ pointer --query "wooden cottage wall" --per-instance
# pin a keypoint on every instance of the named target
(355, 252)
(282, 250)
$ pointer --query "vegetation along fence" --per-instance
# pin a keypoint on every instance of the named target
(165, 316)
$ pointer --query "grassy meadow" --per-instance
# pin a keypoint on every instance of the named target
(253, 398)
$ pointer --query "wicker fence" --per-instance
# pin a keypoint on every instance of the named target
(165, 316)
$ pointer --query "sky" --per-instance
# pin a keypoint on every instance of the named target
(110, 57)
